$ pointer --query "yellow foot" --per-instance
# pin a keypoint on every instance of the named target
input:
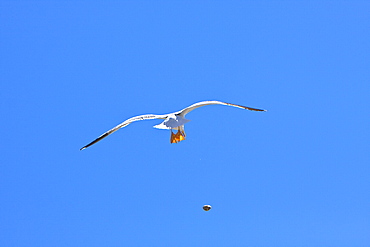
(173, 138)
(178, 137)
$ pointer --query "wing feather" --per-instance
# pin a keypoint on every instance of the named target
(124, 124)
(188, 109)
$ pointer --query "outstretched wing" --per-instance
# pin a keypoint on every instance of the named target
(124, 124)
(185, 111)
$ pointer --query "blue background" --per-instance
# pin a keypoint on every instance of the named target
(297, 175)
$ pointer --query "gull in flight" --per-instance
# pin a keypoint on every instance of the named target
(172, 121)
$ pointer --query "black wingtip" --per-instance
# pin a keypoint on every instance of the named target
(96, 140)
(255, 109)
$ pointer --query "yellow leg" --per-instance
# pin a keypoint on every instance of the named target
(182, 133)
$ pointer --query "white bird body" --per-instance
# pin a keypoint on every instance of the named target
(172, 121)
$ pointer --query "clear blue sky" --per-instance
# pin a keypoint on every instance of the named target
(297, 175)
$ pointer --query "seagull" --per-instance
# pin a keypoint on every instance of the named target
(172, 121)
